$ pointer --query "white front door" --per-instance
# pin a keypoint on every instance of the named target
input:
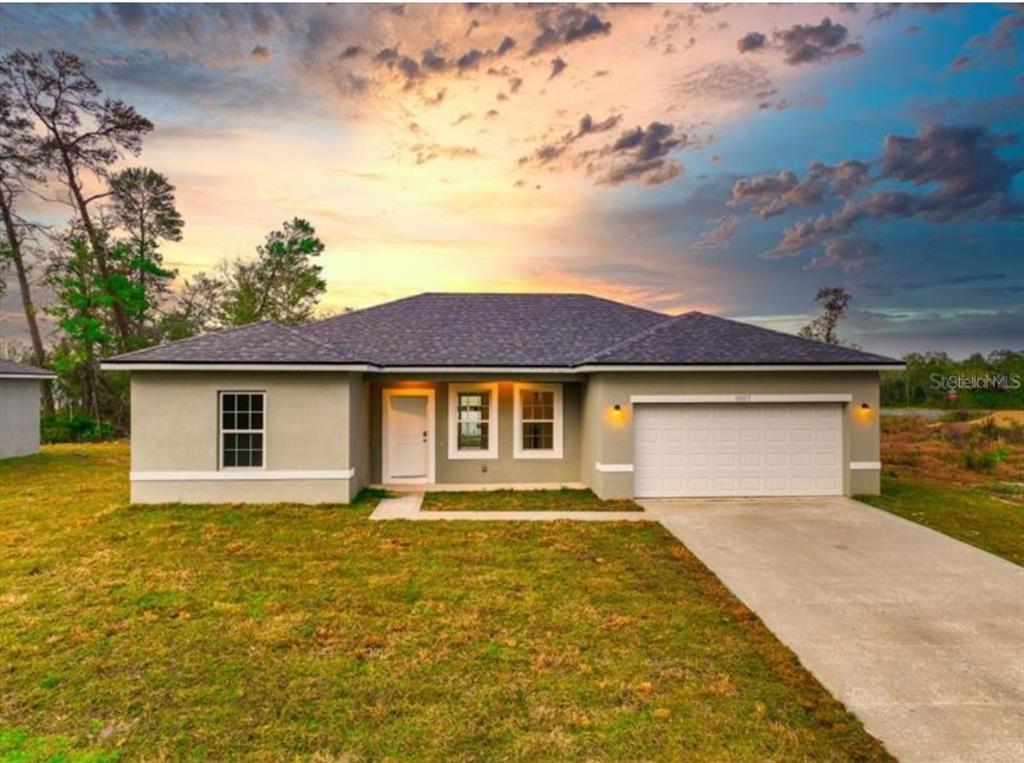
(738, 450)
(408, 435)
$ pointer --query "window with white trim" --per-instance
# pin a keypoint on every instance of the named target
(538, 420)
(473, 421)
(241, 429)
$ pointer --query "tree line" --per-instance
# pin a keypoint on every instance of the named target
(63, 142)
(934, 380)
(931, 379)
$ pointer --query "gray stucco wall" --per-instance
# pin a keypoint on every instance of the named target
(19, 417)
(505, 468)
(307, 429)
(359, 432)
(330, 422)
(609, 437)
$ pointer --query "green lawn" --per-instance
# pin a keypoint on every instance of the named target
(523, 500)
(985, 515)
(281, 633)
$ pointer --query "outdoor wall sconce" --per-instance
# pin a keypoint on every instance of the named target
(617, 408)
(865, 407)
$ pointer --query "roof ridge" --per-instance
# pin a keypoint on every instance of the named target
(594, 297)
(653, 329)
(354, 311)
(196, 337)
(806, 340)
(624, 304)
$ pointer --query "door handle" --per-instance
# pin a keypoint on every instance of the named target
(424, 437)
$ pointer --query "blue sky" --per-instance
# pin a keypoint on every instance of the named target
(433, 155)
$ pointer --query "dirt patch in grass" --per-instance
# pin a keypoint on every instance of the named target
(565, 499)
(927, 477)
(280, 632)
(936, 450)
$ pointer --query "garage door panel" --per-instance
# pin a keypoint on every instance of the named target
(738, 449)
(751, 460)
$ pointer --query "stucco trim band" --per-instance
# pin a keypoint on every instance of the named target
(613, 467)
(866, 465)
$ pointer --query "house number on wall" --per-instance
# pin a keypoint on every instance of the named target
(742, 398)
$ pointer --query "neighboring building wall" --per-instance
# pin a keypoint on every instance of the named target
(307, 435)
(609, 435)
(504, 469)
(19, 417)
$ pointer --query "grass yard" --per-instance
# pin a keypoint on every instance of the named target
(281, 633)
(565, 499)
(926, 478)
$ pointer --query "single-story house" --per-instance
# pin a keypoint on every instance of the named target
(20, 394)
(515, 390)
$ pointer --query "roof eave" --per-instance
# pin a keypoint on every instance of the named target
(228, 365)
(582, 368)
(39, 377)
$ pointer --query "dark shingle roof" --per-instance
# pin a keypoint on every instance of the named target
(483, 329)
(263, 342)
(10, 368)
(504, 330)
(699, 339)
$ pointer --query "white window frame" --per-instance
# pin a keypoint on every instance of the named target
(221, 431)
(518, 451)
(491, 452)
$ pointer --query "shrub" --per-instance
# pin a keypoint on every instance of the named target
(961, 414)
(1013, 434)
(75, 427)
(982, 459)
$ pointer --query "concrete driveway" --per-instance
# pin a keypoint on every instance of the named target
(918, 634)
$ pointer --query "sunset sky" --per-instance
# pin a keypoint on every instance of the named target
(730, 159)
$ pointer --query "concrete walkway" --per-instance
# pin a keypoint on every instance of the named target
(920, 635)
(408, 507)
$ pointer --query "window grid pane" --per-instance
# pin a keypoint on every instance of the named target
(241, 429)
(473, 419)
(538, 419)
(538, 435)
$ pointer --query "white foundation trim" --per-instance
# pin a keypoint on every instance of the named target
(743, 398)
(243, 475)
(865, 465)
(478, 487)
(613, 467)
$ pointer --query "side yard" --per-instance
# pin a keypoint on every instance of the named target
(295, 633)
(964, 479)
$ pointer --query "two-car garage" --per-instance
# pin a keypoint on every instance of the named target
(737, 448)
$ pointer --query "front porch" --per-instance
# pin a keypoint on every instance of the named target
(457, 432)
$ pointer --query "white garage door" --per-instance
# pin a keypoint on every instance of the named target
(738, 449)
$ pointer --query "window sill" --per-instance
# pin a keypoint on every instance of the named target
(472, 455)
(530, 455)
